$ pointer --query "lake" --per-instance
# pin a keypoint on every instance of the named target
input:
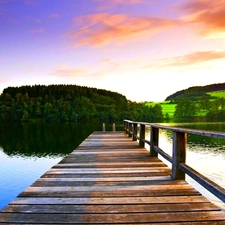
(28, 150)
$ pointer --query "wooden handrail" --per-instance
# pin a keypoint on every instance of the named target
(215, 134)
(178, 159)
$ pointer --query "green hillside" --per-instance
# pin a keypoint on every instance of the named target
(198, 92)
(169, 106)
(217, 94)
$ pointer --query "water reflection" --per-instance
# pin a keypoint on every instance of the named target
(41, 140)
(29, 150)
(18, 172)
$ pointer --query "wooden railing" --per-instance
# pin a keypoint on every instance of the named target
(136, 130)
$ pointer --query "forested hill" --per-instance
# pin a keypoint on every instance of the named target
(61, 91)
(62, 103)
(196, 92)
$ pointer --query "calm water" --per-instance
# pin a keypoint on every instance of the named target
(29, 150)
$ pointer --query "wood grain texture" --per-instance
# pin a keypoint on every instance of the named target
(108, 179)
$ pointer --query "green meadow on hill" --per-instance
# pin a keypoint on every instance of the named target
(167, 107)
(217, 94)
(196, 96)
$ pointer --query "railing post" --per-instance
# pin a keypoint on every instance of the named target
(179, 154)
(114, 127)
(103, 127)
(154, 141)
(142, 135)
(134, 138)
(130, 129)
(125, 126)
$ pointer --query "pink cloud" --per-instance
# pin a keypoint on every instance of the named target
(206, 14)
(198, 57)
(190, 59)
(103, 28)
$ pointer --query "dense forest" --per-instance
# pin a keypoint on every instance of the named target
(195, 93)
(62, 103)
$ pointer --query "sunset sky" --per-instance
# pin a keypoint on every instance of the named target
(143, 49)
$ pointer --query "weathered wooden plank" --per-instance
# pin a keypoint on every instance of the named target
(107, 153)
(107, 170)
(107, 159)
(112, 194)
(110, 201)
(135, 157)
(104, 181)
(158, 179)
(77, 209)
(108, 147)
(174, 223)
(107, 188)
(143, 174)
(113, 191)
(109, 165)
(105, 144)
(115, 218)
(84, 183)
(90, 160)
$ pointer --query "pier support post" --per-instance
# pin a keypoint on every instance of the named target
(130, 129)
(142, 136)
(179, 154)
(154, 141)
(134, 136)
(103, 127)
(114, 127)
(126, 126)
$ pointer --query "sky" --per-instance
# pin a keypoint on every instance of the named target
(143, 49)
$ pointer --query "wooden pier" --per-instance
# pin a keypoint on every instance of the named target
(110, 179)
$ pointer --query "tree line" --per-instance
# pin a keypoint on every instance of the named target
(63, 103)
(212, 110)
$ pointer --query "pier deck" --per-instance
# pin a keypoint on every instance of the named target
(108, 179)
